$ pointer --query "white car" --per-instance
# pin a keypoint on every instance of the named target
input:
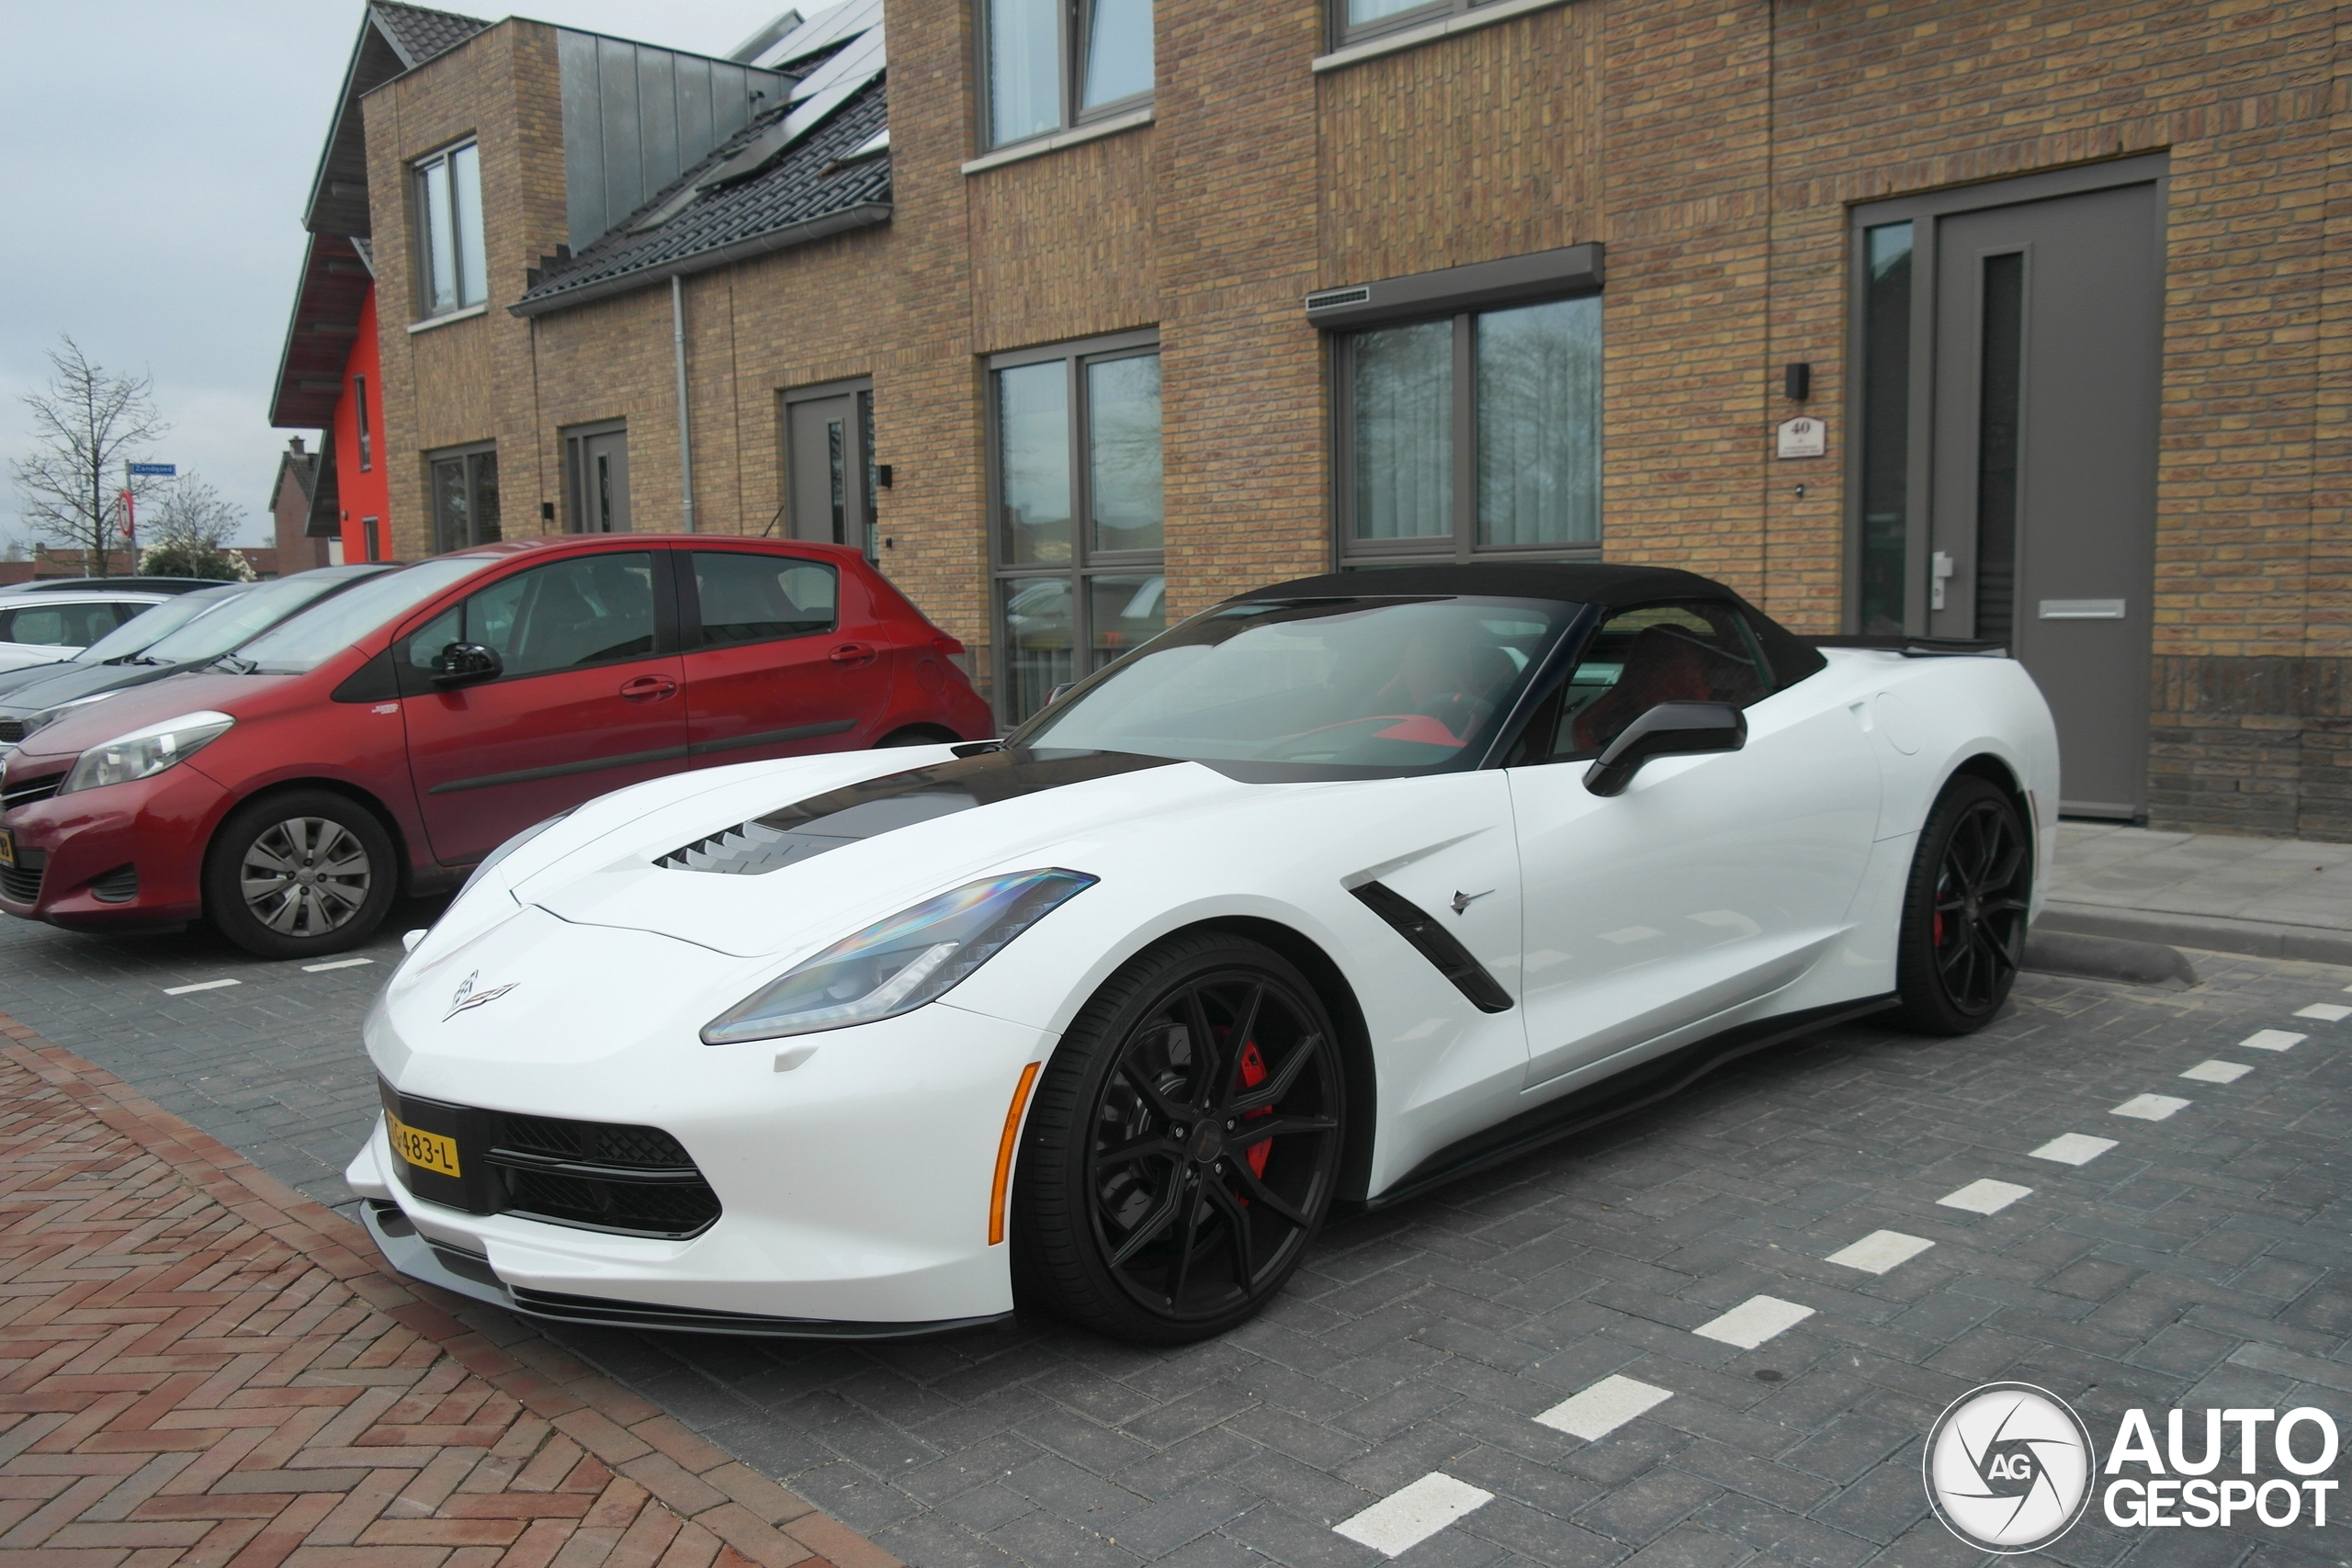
(44, 627)
(1332, 893)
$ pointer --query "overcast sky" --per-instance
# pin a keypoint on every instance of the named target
(158, 156)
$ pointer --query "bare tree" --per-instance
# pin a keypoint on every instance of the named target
(86, 425)
(189, 529)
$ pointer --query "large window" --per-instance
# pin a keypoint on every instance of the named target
(1056, 63)
(451, 272)
(1475, 435)
(1077, 485)
(462, 486)
(1355, 20)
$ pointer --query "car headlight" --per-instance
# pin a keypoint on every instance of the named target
(508, 848)
(900, 963)
(144, 752)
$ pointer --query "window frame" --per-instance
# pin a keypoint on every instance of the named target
(467, 451)
(360, 412)
(1343, 33)
(1349, 553)
(1085, 564)
(422, 170)
(1073, 26)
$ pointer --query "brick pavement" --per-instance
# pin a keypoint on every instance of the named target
(2199, 1260)
(198, 1368)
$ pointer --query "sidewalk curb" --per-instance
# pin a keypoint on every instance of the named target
(2214, 933)
(2106, 958)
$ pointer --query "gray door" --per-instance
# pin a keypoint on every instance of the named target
(599, 482)
(828, 469)
(2048, 329)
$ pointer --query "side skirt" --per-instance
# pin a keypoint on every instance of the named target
(1621, 1095)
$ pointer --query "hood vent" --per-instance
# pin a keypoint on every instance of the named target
(810, 828)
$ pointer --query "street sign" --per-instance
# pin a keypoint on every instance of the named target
(153, 470)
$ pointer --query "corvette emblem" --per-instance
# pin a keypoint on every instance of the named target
(468, 998)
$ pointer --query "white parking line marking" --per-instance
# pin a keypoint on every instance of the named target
(1405, 1519)
(337, 963)
(2212, 1071)
(199, 986)
(2272, 1040)
(1880, 1250)
(2073, 1149)
(1754, 1321)
(1603, 1408)
(1985, 1197)
(2327, 1012)
(2149, 1107)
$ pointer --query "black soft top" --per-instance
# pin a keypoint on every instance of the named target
(1575, 582)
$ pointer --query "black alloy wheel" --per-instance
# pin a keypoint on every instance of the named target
(299, 873)
(1184, 1145)
(1965, 910)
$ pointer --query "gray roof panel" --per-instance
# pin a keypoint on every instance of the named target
(819, 176)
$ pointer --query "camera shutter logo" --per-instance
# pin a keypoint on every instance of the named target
(2008, 1468)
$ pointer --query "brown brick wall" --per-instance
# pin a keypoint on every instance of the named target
(1716, 146)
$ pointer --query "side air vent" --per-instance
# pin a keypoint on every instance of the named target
(119, 885)
(1436, 945)
(11, 731)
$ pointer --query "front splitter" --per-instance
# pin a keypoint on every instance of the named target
(469, 1274)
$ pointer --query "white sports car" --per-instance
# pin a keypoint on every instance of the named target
(1330, 894)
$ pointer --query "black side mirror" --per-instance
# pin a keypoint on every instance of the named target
(467, 664)
(1669, 730)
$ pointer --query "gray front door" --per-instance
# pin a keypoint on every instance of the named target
(600, 482)
(2041, 527)
(827, 457)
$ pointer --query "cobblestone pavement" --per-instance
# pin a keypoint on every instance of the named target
(2197, 1257)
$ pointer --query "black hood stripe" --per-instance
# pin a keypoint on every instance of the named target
(810, 828)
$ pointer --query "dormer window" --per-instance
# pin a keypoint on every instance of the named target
(451, 273)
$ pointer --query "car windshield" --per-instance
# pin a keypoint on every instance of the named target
(255, 611)
(1360, 686)
(151, 626)
(320, 632)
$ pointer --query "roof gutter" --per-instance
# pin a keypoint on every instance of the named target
(864, 215)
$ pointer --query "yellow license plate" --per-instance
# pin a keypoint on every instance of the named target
(426, 1150)
(8, 847)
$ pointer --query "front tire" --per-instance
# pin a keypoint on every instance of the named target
(299, 875)
(1965, 910)
(1183, 1146)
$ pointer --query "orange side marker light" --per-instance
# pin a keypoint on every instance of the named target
(1004, 1153)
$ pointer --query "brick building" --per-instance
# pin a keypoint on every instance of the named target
(292, 499)
(2023, 320)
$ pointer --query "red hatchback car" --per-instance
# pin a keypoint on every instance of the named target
(392, 736)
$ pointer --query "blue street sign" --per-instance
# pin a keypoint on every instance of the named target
(156, 470)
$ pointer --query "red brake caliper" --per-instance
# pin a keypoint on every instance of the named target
(1253, 1073)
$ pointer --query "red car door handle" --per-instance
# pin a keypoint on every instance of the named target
(852, 653)
(648, 688)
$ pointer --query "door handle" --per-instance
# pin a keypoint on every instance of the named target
(852, 653)
(647, 688)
